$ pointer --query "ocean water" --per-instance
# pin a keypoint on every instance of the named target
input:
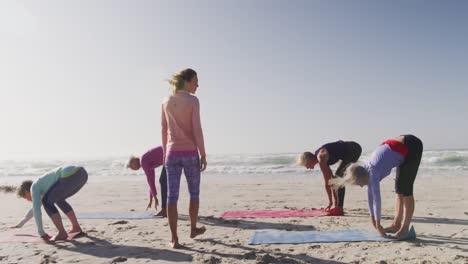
(435, 163)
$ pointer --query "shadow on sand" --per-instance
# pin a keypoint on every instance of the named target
(249, 224)
(460, 242)
(416, 219)
(104, 249)
(261, 255)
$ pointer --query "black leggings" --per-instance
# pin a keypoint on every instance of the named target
(406, 172)
(163, 183)
(63, 189)
(353, 152)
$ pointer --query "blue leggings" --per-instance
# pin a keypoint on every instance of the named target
(191, 167)
(63, 189)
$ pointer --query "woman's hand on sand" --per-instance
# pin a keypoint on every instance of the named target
(381, 230)
(376, 224)
(203, 163)
(156, 203)
(398, 235)
(150, 204)
(373, 222)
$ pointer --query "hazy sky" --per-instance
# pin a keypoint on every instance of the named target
(87, 78)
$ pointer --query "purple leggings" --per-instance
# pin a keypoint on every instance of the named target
(190, 163)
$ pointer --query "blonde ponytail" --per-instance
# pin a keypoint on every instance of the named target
(355, 174)
(178, 80)
(337, 183)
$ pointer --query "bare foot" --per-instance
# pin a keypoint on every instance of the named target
(197, 231)
(77, 233)
(75, 230)
(392, 228)
(59, 237)
(161, 214)
(175, 243)
(401, 233)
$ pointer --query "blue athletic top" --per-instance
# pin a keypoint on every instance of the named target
(381, 163)
(42, 185)
(336, 151)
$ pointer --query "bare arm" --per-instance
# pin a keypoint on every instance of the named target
(198, 133)
(327, 173)
(197, 128)
(380, 228)
(335, 197)
(163, 132)
(373, 222)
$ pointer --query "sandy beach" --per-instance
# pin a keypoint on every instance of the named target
(441, 223)
(269, 99)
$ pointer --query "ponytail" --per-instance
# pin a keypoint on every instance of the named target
(355, 174)
(178, 80)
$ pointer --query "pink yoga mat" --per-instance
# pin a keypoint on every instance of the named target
(273, 213)
(25, 237)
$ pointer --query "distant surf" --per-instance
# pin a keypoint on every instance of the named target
(434, 163)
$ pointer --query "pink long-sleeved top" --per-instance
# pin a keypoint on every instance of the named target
(181, 125)
(152, 159)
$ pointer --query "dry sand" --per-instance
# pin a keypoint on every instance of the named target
(441, 222)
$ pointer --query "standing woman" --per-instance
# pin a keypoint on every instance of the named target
(182, 138)
(404, 153)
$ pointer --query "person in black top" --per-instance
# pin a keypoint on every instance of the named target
(329, 154)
